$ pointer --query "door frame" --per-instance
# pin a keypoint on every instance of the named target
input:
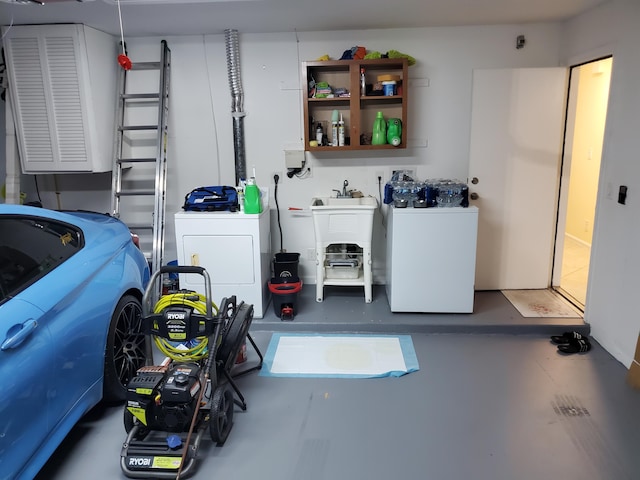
(564, 181)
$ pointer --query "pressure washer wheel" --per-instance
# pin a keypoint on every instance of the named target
(233, 336)
(221, 414)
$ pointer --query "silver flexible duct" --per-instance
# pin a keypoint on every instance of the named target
(237, 100)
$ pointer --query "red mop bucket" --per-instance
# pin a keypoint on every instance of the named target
(284, 295)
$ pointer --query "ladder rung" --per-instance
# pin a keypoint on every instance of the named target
(139, 127)
(139, 226)
(128, 96)
(137, 160)
(133, 193)
(145, 66)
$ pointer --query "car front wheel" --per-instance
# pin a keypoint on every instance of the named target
(125, 351)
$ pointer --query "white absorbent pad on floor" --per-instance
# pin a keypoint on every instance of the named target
(350, 356)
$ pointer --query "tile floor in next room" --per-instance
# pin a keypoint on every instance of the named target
(493, 400)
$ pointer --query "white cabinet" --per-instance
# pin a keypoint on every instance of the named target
(234, 248)
(431, 259)
(62, 83)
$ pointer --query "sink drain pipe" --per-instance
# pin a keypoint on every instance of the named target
(237, 100)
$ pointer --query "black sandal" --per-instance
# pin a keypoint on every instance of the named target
(581, 345)
(566, 337)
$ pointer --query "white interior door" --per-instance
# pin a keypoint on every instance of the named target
(515, 152)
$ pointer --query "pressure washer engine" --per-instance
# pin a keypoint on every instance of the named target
(170, 405)
(168, 399)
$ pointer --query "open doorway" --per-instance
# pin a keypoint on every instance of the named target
(585, 124)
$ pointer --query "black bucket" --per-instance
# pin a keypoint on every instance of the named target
(285, 265)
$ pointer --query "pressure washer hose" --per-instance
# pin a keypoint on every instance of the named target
(183, 352)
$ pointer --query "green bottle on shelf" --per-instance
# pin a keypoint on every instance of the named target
(252, 203)
(379, 136)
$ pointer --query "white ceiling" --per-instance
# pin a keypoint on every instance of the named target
(177, 17)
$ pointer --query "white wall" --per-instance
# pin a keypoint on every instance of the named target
(201, 142)
(611, 307)
(200, 123)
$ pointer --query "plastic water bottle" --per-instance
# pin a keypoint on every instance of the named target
(363, 83)
(379, 136)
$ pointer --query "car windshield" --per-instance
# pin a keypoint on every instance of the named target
(30, 248)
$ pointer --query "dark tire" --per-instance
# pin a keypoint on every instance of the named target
(130, 421)
(221, 416)
(125, 351)
(235, 334)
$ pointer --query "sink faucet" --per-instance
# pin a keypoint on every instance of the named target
(344, 193)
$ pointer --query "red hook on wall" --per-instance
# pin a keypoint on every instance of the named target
(123, 60)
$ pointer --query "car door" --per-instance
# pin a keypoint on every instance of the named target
(31, 250)
(25, 359)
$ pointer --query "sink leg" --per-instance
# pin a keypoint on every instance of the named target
(366, 253)
(321, 255)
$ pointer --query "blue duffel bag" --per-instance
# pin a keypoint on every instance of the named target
(211, 199)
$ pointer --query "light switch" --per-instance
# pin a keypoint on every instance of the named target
(622, 194)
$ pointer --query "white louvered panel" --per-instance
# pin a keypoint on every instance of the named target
(31, 101)
(66, 95)
(63, 85)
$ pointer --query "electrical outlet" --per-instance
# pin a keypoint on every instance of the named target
(311, 254)
(380, 176)
(280, 177)
(308, 171)
(407, 171)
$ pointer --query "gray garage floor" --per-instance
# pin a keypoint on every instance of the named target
(485, 405)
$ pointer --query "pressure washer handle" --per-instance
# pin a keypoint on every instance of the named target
(182, 269)
(147, 308)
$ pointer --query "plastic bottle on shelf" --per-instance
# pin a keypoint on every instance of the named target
(379, 136)
(394, 131)
(341, 132)
(363, 83)
(334, 128)
(319, 133)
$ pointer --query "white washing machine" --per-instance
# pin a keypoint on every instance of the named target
(431, 259)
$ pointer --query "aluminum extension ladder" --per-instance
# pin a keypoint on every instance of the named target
(133, 188)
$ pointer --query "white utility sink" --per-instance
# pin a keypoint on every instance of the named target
(328, 203)
(343, 220)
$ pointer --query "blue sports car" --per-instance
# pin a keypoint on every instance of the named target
(70, 291)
